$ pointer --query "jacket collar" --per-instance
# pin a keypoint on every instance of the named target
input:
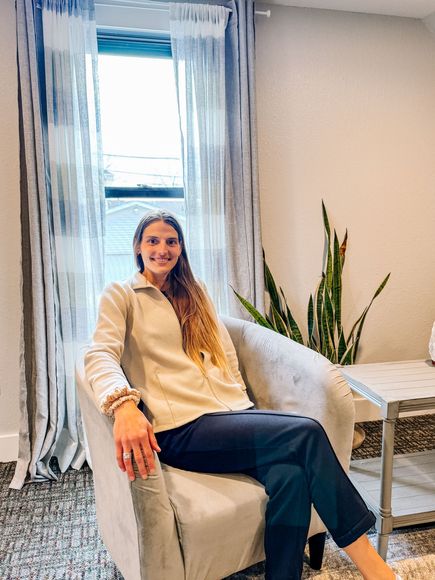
(139, 281)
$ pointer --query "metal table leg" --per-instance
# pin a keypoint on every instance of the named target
(382, 545)
(386, 518)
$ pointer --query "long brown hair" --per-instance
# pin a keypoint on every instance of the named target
(199, 326)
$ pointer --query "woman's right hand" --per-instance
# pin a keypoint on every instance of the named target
(134, 435)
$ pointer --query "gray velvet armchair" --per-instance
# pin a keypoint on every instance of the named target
(179, 525)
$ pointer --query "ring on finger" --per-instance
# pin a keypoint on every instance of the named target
(126, 455)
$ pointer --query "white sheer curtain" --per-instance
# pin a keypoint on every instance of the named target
(198, 49)
(62, 212)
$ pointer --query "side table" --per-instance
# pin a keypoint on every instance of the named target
(399, 489)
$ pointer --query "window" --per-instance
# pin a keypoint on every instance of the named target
(141, 139)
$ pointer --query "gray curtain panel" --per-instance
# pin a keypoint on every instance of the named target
(37, 366)
(241, 217)
(62, 203)
(242, 202)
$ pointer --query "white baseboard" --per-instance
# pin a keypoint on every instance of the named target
(367, 411)
(8, 447)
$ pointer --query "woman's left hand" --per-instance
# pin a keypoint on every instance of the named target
(134, 435)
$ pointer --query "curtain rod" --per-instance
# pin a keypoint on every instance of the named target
(156, 6)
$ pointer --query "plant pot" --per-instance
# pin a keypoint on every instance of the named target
(358, 436)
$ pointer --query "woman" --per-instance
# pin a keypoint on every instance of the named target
(158, 340)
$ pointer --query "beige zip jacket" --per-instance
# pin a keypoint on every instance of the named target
(137, 353)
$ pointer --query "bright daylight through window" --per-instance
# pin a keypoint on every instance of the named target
(141, 145)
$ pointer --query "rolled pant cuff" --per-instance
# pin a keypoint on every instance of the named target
(358, 530)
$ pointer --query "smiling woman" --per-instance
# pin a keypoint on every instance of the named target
(158, 339)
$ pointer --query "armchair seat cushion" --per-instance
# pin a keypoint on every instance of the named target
(216, 515)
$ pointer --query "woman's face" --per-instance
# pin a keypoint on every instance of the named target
(160, 249)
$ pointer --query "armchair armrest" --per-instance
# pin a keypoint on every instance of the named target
(284, 375)
(135, 519)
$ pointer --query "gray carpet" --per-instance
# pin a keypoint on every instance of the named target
(49, 531)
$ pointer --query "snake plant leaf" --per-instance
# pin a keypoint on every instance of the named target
(310, 319)
(280, 324)
(327, 268)
(270, 321)
(326, 220)
(349, 357)
(296, 333)
(357, 324)
(270, 284)
(257, 316)
(318, 298)
(313, 345)
(351, 336)
(343, 248)
(291, 322)
(361, 324)
(312, 323)
(329, 315)
(381, 287)
(337, 285)
(358, 333)
(342, 346)
(326, 337)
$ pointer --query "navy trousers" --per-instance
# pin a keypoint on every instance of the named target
(293, 458)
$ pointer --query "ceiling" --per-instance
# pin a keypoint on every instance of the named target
(405, 8)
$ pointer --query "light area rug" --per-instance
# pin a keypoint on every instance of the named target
(411, 553)
(421, 566)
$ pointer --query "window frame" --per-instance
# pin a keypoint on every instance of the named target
(146, 44)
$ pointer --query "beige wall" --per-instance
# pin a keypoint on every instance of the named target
(346, 111)
(10, 312)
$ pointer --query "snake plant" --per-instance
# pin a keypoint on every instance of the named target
(325, 333)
